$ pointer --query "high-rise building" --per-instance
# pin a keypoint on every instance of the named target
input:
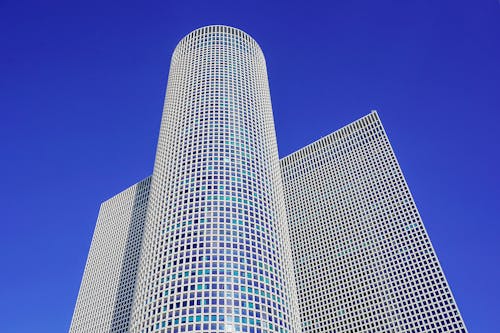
(216, 253)
(203, 244)
(106, 293)
(363, 260)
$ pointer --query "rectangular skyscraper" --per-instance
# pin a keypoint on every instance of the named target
(106, 293)
(363, 260)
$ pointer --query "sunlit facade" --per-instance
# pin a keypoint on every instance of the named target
(216, 252)
(363, 260)
(225, 237)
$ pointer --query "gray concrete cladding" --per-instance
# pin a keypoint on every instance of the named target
(106, 292)
(363, 260)
(216, 252)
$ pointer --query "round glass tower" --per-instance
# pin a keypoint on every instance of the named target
(216, 254)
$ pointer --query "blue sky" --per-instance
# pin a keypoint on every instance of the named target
(82, 87)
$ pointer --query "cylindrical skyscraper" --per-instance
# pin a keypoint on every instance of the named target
(216, 252)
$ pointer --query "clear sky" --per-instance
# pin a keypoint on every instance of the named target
(81, 94)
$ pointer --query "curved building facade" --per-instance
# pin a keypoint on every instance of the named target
(216, 252)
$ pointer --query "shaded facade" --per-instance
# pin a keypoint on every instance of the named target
(106, 293)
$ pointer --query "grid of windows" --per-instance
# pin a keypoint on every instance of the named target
(363, 260)
(216, 254)
(106, 292)
(203, 244)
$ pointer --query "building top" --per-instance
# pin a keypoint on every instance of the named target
(222, 29)
(337, 134)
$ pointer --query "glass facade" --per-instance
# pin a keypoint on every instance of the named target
(106, 293)
(216, 254)
(363, 260)
(210, 241)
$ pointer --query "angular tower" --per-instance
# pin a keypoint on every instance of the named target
(363, 260)
(216, 253)
(106, 293)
